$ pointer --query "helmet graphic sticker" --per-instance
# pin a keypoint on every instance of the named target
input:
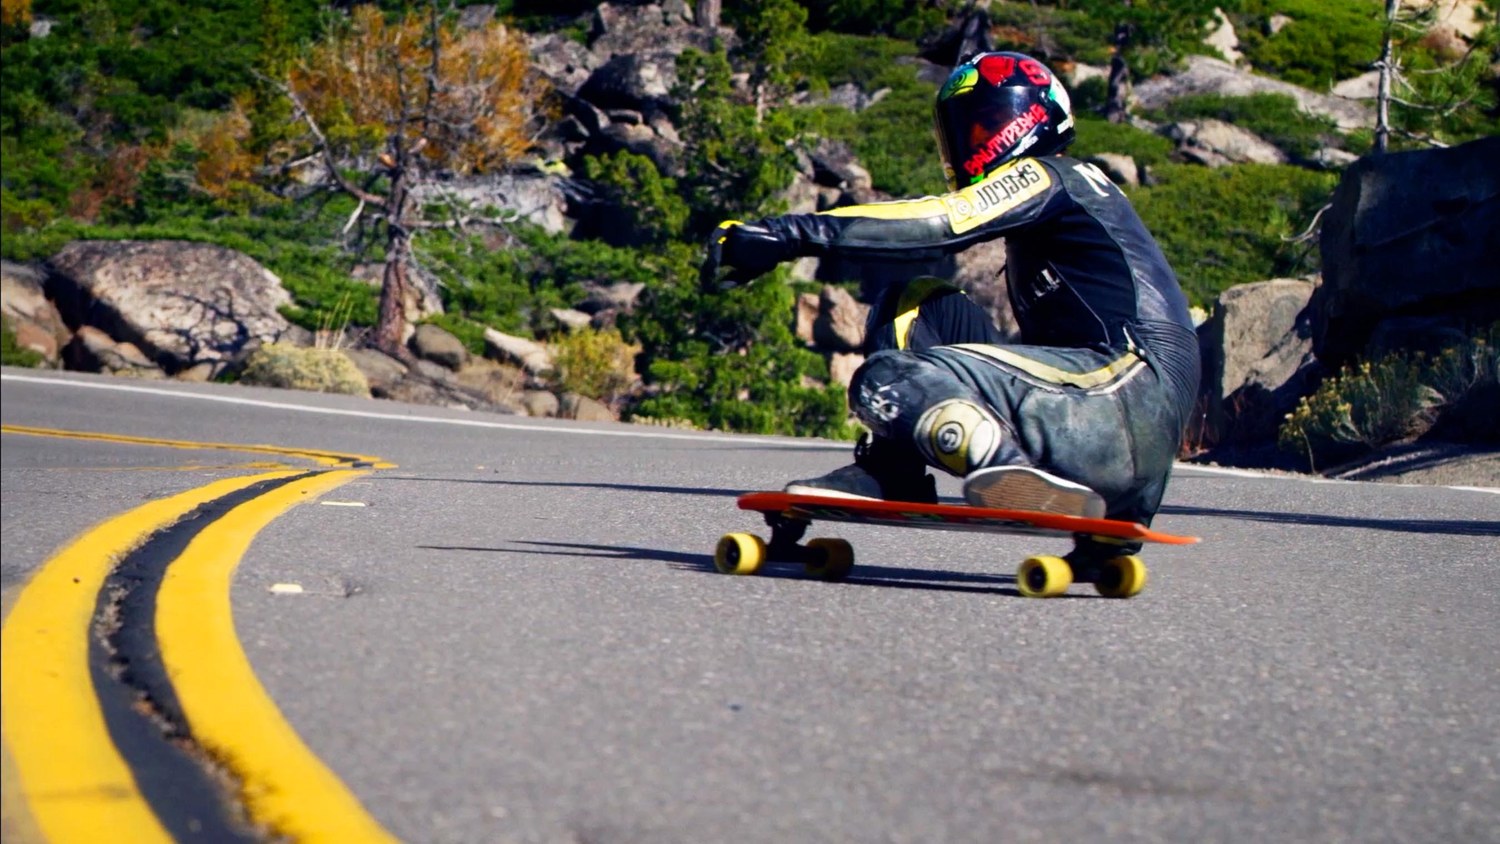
(997, 68)
(1005, 140)
(959, 83)
(1059, 95)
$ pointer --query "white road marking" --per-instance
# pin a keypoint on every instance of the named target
(788, 442)
(1190, 468)
(1224, 470)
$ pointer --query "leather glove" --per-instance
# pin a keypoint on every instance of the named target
(739, 252)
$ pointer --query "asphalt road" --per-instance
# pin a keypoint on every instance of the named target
(516, 634)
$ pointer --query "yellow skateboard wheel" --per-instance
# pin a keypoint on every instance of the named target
(739, 553)
(1121, 577)
(832, 559)
(1044, 577)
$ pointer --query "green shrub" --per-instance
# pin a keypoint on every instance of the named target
(318, 295)
(1091, 96)
(910, 19)
(1274, 117)
(1325, 42)
(133, 64)
(728, 360)
(513, 288)
(736, 160)
(1096, 135)
(871, 62)
(1052, 31)
(892, 138)
(1083, 30)
(291, 367)
(40, 169)
(1398, 397)
(1230, 225)
(895, 143)
(82, 108)
(286, 240)
(12, 354)
(650, 203)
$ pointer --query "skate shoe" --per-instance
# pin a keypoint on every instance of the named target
(880, 471)
(1027, 488)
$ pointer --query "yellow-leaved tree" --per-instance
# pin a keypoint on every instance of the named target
(391, 102)
(15, 12)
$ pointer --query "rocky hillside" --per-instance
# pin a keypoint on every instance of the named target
(570, 290)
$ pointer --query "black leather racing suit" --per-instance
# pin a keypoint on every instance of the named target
(1106, 375)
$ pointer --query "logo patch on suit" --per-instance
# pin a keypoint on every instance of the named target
(958, 435)
(1003, 190)
(879, 407)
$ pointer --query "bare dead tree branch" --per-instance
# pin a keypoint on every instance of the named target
(1312, 228)
(433, 71)
(458, 222)
(1386, 65)
(456, 208)
(298, 162)
(327, 150)
(1418, 136)
(353, 218)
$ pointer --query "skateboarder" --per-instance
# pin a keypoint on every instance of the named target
(1086, 415)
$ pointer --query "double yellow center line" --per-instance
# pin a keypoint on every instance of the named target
(75, 783)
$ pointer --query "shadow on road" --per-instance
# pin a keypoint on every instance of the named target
(1455, 527)
(679, 559)
(864, 575)
(668, 490)
(671, 490)
(938, 581)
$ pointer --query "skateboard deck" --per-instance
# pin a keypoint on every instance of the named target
(789, 515)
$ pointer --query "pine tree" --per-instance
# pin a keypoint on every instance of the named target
(1433, 95)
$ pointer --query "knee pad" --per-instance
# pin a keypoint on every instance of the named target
(905, 398)
(958, 435)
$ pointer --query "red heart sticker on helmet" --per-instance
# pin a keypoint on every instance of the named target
(996, 69)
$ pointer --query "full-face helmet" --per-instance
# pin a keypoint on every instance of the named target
(996, 107)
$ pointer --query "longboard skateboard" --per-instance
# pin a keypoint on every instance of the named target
(789, 516)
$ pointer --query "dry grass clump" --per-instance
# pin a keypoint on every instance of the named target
(295, 368)
(597, 364)
(1398, 398)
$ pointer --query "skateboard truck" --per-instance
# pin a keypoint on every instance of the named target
(823, 558)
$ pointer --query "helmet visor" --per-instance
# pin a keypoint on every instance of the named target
(980, 131)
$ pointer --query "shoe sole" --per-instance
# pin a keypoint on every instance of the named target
(1024, 488)
(798, 489)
